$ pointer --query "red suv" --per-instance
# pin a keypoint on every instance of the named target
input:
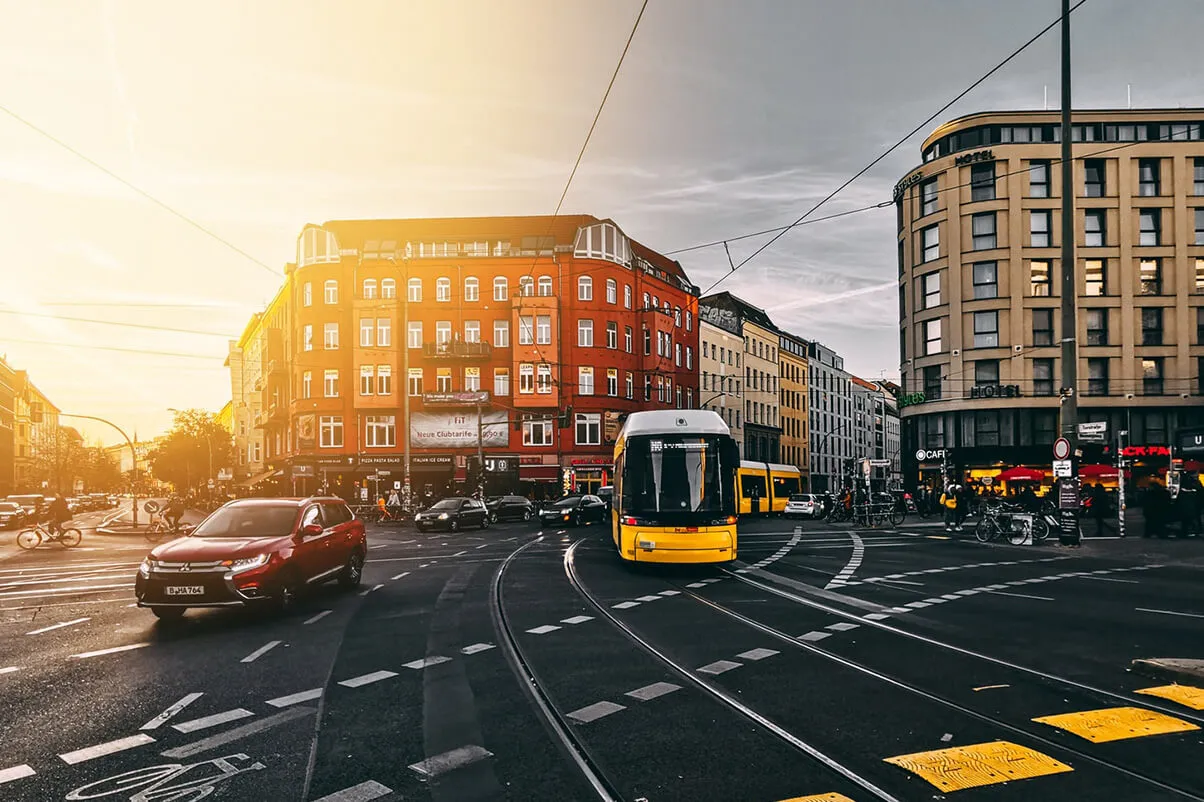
(254, 551)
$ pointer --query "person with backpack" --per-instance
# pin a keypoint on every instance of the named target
(949, 502)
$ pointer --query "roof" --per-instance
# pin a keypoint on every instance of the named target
(866, 384)
(742, 308)
(672, 421)
(1054, 117)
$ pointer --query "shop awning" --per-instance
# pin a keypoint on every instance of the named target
(1098, 472)
(538, 473)
(1021, 475)
(256, 479)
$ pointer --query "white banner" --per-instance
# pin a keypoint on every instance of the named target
(458, 429)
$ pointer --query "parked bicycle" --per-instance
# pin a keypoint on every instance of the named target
(1010, 521)
(66, 536)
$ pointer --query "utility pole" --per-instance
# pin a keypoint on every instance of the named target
(1070, 534)
(404, 341)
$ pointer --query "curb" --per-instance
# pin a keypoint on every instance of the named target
(1170, 669)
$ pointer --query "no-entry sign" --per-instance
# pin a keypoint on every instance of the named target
(1061, 449)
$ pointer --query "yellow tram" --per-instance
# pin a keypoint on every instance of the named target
(765, 487)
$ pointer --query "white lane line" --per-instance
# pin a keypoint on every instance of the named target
(757, 654)
(1024, 596)
(1112, 579)
(696, 585)
(75, 591)
(718, 667)
(1168, 612)
(483, 545)
(364, 792)
(652, 691)
(378, 546)
(216, 720)
(854, 562)
(625, 605)
(317, 617)
(158, 720)
(369, 590)
(367, 679)
(888, 582)
(427, 662)
(238, 733)
(477, 647)
(875, 616)
(58, 626)
(100, 750)
(842, 626)
(543, 630)
(450, 761)
(261, 651)
(577, 619)
(814, 636)
(296, 698)
(460, 553)
(15, 773)
(9, 669)
(647, 598)
(114, 650)
(917, 605)
(594, 712)
(399, 576)
(669, 593)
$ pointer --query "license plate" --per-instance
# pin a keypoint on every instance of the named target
(185, 590)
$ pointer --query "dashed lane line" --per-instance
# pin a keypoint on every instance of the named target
(114, 650)
(1168, 612)
(15, 773)
(59, 625)
(169, 713)
(757, 654)
(296, 698)
(1020, 595)
(364, 792)
(577, 619)
(109, 748)
(9, 669)
(367, 679)
(719, 667)
(371, 589)
(216, 720)
(656, 689)
(543, 630)
(477, 647)
(426, 662)
(852, 565)
(797, 535)
(454, 759)
(238, 733)
(261, 651)
(399, 576)
(318, 617)
(595, 711)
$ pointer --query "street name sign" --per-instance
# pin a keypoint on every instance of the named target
(1063, 468)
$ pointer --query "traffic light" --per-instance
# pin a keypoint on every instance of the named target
(565, 417)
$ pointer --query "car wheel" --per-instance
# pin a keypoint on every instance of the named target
(485, 522)
(526, 515)
(454, 525)
(169, 613)
(353, 571)
(285, 600)
(493, 517)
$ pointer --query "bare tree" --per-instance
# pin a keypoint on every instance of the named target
(59, 457)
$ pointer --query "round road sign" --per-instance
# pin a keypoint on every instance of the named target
(1061, 448)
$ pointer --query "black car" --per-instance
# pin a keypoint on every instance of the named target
(510, 508)
(574, 511)
(11, 514)
(453, 513)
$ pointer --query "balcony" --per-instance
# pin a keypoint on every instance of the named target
(457, 349)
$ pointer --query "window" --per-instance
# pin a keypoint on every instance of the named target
(627, 295)
(928, 197)
(647, 387)
(379, 431)
(1198, 177)
(585, 380)
(1151, 276)
(1199, 218)
(1148, 178)
(388, 288)
(630, 386)
(472, 331)
(660, 389)
(414, 290)
(330, 291)
(543, 329)
(1043, 327)
(986, 329)
(537, 433)
(689, 326)
(689, 358)
(307, 294)
(367, 326)
(543, 378)
(932, 382)
(588, 427)
(1199, 275)
(648, 342)
(545, 286)
(501, 334)
(1095, 283)
(307, 384)
(1151, 325)
(677, 354)
(930, 243)
(986, 280)
(415, 382)
(986, 427)
(1043, 381)
(986, 371)
(627, 338)
(932, 337)
(1151, 226)
(443, 380)
(612, 382)
(414, 334)
(330, 429)
(526, 378)
(367, 379)
(330, 336)
(384, 332)
(1038, 178)
(982, 229)
(1038, 229)
(1093, 175)
(501, 381)
(443, 332)
(330, 383)
(585, 288)
(930, 289)
(1151, 376)
(501, 289)
(443, 290)
(307, 335)
(645, 306)
(585, 333)
(526, 286)
(612, 334)
(384, 380)
(472, 379)
(1095, 228)
(1038, 276)
(472, 289)
(369, 289)
(526, 330)
(1200, 325)
(982, 181)
(1097, 327)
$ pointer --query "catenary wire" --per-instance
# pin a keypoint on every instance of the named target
(145, 326)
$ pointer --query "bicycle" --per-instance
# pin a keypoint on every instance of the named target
(158, 528)
(67, 536)
(999, 520)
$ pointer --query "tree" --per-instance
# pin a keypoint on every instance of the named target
(193, 451)
(59, 457)
(101, 473)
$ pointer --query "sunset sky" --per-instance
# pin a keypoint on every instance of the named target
(252, 119)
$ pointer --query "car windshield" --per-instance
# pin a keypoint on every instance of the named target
(797, 497)
(567, 502)
(447, 504)
(257, 520)
(25, 499)
(673, 474)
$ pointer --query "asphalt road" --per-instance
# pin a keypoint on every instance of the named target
(517, 664)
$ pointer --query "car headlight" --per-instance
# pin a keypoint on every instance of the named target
(443, 516)
(247, 563)
(144, 570)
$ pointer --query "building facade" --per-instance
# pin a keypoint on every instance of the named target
(793, 405)
(522, 340)
(721, 376)
(8, 429)
(831, 413)
(979, 239)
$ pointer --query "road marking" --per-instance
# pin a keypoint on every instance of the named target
(647, 598)
(876, 616)
(317, 617)
(1112, 579)
(1185, 695)
(216, 720)
(364, 792)
(296, 698)
(369, 590)
(158, 720)
(961, 767)
(594, 712)
(577, 619)
(450, 761)
(9, 669)
(367, 679)
(477, 647)
(460, 553)
(652, 691)
(543, 630)
(114, 650)
(625, 605)
(669, 593)
(696, 585)
(936, 600)
(918, 605)
(261, 651)
(969, 592)
(378, 546)
(1023, 596)
(75, 591)
(710, 580)
(815, 636)
(483, 546)
(15, 773)
(229, 736)
(399, 576)
(989, 687)
(718, 667)
(427, 662)
(887, 581)
(1168, 612)
(100, 750)
(757, 654)
(1116, 723)
(842, 626)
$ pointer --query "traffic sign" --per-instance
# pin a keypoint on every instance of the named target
(211, 483)
(880, 463)
(1097, 427)
(1061, 448)
(1063, 469)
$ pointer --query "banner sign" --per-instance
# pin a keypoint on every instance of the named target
(458, 430)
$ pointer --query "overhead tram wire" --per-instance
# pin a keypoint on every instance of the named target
(123, 324)
(145, 351)
(892, 148)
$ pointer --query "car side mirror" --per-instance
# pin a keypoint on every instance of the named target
(310, 530)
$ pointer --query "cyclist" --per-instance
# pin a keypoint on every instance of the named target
(174, 511)
(58, 513)
(382, 505)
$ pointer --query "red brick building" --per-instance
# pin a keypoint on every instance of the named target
(551, 327)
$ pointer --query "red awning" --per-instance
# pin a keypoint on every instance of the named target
(537, 473)
(1098, 472)
(1021, 475)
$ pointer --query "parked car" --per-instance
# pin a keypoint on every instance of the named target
(510, 508)
(607, 494)
(261, 551)
(803, 505)
(453, 513)
(33, 505)
(574, 510)
(12, 515)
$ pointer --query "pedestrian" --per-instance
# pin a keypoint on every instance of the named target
(949, 505)
(394, 500)
(1099, 509)
(384, 510)
(58, 513)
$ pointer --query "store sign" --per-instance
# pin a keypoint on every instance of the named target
(334, 461)
(909, 181)
(977, 156)
(431, 459)
(458, 430)
(458, 399)
(912, 399)
(1191, 442)
(303, 470)
(591, 461)
(1145, 451)
(930, 456)
(995, 391)
(305, 431)
(369, 461)
(501, 464)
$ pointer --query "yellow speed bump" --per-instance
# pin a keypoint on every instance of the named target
(1185, 695)
(819, 798)
(960, 767)
(1117, 723)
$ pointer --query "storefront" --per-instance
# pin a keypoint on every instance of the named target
(538, 480)
(432, 476)
(587, 474)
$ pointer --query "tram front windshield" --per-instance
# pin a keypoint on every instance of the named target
(673, 474)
